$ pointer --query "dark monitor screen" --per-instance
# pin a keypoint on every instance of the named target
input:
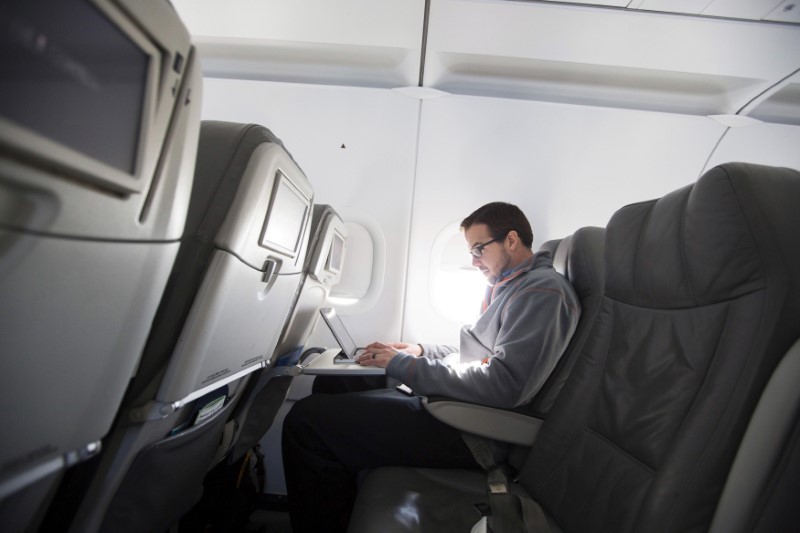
(286, 218)
(336, 253)
(70, 74)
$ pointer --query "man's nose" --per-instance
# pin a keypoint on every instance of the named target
(476, 261)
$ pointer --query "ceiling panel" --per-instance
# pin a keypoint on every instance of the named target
(611, 54)
(353, 42)
(787, 11)
(781, 105)
(611, 57)
(744, 9)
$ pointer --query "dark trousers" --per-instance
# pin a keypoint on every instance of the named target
(329, 438)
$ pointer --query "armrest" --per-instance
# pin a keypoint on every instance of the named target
(490, 422)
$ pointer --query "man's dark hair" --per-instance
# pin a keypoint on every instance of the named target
(501, 218)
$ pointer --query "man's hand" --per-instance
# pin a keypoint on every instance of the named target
(410, 349)
(380, 353)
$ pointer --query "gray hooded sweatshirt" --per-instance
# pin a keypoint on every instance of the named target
(505, 357)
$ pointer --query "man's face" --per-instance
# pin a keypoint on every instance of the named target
(495, 259)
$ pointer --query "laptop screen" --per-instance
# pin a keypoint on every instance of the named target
(339, 331)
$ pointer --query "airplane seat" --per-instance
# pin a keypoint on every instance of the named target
(559, 252)
(579, 257)
(701, 300)
(96, 166)
(323, 270)
(763, 485)
(267, 390)
(551, 247)
(229, 295)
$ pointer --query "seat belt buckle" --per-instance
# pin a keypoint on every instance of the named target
(498, 488)
(497, 482)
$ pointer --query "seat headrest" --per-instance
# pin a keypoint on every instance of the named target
(557, 249)
(585, 261)
(550, 246)
(224, 149)
(708, 242)
(561, 256)
(320, 213)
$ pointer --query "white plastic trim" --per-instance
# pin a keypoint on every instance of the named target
(497, 424)
(347, 307)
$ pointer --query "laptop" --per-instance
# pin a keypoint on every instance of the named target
(349, 349)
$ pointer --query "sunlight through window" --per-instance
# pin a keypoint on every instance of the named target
(457, 287)
(459, 293)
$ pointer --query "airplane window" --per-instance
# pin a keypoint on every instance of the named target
(456, 286)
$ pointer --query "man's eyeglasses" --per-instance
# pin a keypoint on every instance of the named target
(477, 250)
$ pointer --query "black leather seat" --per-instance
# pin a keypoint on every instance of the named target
(702, 301)
(579, 257)
(763, 486)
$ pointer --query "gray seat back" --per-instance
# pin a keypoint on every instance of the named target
(229, 296)
(95, 179)
(323, 269)
(256, 264)
(266, 393)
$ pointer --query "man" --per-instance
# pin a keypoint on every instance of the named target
(528, 316)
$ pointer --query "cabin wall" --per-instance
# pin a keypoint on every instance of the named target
(415, 168)
(762, 143)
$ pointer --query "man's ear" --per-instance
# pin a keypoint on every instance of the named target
(513, 240)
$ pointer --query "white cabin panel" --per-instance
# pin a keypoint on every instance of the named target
(351, 42)
(600, 56)
(390, 23)
(746, 9)
(764, 144)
